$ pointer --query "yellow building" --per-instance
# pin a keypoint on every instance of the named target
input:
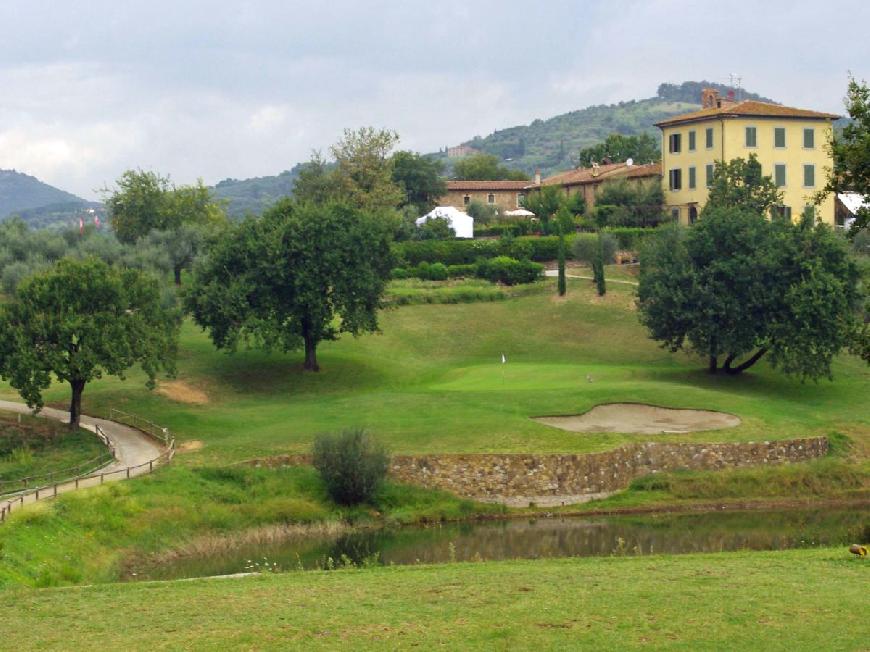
(791, 145)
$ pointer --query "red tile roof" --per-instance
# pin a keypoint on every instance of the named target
(582, 176)
(489, 185)
(747, 108)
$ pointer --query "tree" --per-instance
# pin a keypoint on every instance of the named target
(301, 274)
(545, 203)
(744, 287)
(436, 228)
(739, 183)
(420, 178)
(562, 283)
(146, 202)
(364, 170)
(138, 205)
(316, 181)
(481, 213)
(485, 167)
(636, 203)
(851, 151)
(80, 320)
(618, 148)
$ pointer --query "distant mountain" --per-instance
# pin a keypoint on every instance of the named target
(21, 193)
(253, 196)
(551, 145)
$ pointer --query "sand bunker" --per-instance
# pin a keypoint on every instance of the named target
(642, 419)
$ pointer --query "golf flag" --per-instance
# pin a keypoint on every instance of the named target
(503, 359)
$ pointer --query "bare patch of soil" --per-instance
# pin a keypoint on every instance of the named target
(190, 446)
(641, 419)
(181, 392)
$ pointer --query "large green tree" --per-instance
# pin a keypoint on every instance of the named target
(364, 169)
(740, 287)
(302, 274)
(421, 179)
(851, 150)
(635, 203)
(617, 148)
(81, 320)
(138, 204)
(485, 167)
(545, 203)
(739, 183)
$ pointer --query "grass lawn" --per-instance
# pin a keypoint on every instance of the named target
(432, 381)
(791, 600)
(31, 446)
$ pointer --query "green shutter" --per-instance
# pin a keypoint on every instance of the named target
(691, 177)
(692, 141)
(809, 138)
(750, 137)
(779, 175)
(779, 137)
(709, 137)
(709, 174)
(809, 176)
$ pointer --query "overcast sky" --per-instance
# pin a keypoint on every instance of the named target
(215, 90)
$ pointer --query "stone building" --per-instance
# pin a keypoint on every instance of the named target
(587, 181)
(504, 195)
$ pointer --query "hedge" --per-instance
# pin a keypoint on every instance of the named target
(501, 269)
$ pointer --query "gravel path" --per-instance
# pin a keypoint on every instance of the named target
(553, 273)
(132, 449)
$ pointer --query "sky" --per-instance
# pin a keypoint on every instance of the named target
(213, 90)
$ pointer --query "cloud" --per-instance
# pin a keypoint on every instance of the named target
(92, 88)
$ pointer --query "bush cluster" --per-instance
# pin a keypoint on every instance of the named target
(352, 464)
(501, 269)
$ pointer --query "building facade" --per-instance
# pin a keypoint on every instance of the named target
(504, 195)
(587, 181)
(791, 145)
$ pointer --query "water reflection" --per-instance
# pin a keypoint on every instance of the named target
(547, 537)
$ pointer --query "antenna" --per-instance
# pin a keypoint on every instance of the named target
(736, 81)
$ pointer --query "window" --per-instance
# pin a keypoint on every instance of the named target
(693, 214)
(466, 200)
(675, 214)
(708, 173)
(490, 198)
(779, 137)
(809, 176)
(751, 139)
(675, 179)
(521, 199)
(709, 137)
(782, 211)
(674, 143)
(692, 178)
(809, 138)
(779, 174)
(692, 141)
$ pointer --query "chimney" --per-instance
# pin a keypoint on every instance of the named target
(538, 177)
(710, 98)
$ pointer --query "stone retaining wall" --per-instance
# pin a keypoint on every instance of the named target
(554, 479)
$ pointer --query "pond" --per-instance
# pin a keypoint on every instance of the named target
(532, 538)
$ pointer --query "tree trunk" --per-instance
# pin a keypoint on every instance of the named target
(310, 353)
(713, 364)
(75, 406)
(744, 365)
(177, 271)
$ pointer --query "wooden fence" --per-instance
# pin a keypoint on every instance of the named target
(92, 478)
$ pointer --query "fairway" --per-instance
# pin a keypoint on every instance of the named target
(789, 600)
(432, 381)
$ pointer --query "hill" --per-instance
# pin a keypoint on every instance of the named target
(551, 145)
(256, 194)
(21, 192)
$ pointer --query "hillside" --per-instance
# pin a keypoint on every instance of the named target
(551, 145)
(21, 192)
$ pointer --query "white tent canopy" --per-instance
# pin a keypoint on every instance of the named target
(461, 223)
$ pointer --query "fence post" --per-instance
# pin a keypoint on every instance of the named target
(77, 483)
(101, 477)
(150, 466)
(128, 472)
(55, 489)
(37, 493)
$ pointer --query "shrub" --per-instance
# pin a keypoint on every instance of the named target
(586, 244)
(461, 271)
(630, 238)
(352, 464)
(503, 269)
(431, 272)
(399, 273)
